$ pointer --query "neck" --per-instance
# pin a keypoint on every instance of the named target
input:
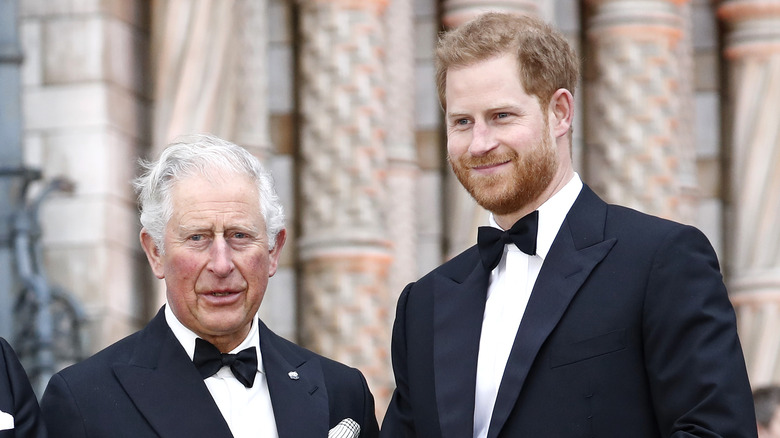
(562, 177)
(227, 343)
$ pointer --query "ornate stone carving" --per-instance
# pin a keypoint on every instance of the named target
(753, 52)
(636, 143)
(457, 12)
(344, 245)
(403, 170)
(194, 54)
(251, 128)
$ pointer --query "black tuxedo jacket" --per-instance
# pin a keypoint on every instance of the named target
(146, 386)
(17, 397)
(628, 332)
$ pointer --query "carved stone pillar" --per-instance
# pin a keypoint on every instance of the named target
(251, 129)
(463, 214)
(344, 247)
(752, 51)
(195, 51)
(403, 170)
(639, 152)
(457, 12)
(209, 66)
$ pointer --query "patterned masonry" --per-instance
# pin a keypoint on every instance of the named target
(753, 54)
(636, 101)
(344, 243)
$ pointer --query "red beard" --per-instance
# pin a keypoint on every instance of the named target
(531, 174)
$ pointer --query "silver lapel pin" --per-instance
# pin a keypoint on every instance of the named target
(293, 375)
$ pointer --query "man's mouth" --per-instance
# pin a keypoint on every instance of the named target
(220, 294)
(488, 166)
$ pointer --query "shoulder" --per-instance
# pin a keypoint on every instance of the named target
(143, 345)
(628, 223)
(590, 213)
(653, 241)
(5, 349)
(456, 268)
(9, 361)
(10, 368)
(100, 363)
(296, 353)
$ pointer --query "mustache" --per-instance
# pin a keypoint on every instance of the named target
(493, 157)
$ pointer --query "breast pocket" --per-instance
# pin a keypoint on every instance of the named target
(589, 348)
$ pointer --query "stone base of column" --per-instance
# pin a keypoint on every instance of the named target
(344, 315)
(756, 301)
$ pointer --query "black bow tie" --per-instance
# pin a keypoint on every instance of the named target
(208, 360)
(491, 241)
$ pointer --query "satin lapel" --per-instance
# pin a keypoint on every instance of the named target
(458, 310)
(578, 248)
(167, 389)
(300, 404)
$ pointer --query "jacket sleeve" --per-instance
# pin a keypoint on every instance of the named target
(398, 420)
(60, 411)
(370, 427)
(694, 361)
(16, 385)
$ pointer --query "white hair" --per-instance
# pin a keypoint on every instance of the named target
(204, 155)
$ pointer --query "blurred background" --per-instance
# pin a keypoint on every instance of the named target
(678, 115)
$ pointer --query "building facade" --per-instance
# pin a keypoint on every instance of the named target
(676, 116)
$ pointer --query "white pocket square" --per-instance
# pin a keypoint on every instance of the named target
(347, 428)
(7, 421)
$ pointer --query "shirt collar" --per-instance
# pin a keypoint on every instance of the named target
(186, 337)
(552, 213)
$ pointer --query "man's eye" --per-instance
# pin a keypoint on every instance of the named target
(196, 237)
(502, 115)
(240, 235)
(462, 122)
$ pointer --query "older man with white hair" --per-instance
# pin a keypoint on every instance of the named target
(213, 229)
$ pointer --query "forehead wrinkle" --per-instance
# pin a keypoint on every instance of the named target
(209, 218)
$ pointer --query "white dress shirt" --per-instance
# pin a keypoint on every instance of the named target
(247, 411)
(511, 283)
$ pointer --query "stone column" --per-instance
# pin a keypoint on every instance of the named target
(11, 58)
(195, 48)
(639, 152)
(403, 170)
(251, 129)
(752, 52)
(344, 245)
(210, 72)
(463, 215)
(85, 106)
(457, 12)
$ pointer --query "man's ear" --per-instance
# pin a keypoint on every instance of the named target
(276, 251)
(561, 111)
(152, 253)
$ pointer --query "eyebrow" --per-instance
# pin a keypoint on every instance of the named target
(449, 116)
(493, 109)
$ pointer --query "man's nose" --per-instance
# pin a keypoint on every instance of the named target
(482, 139)
(221, 260)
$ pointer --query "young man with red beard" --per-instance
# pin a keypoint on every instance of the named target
(570, 317)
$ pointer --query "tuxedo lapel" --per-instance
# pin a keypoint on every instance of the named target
(297, 388)
(459, 304)
(577, 249)
(166, 388)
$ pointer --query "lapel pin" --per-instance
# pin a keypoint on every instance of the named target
(293, 375)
